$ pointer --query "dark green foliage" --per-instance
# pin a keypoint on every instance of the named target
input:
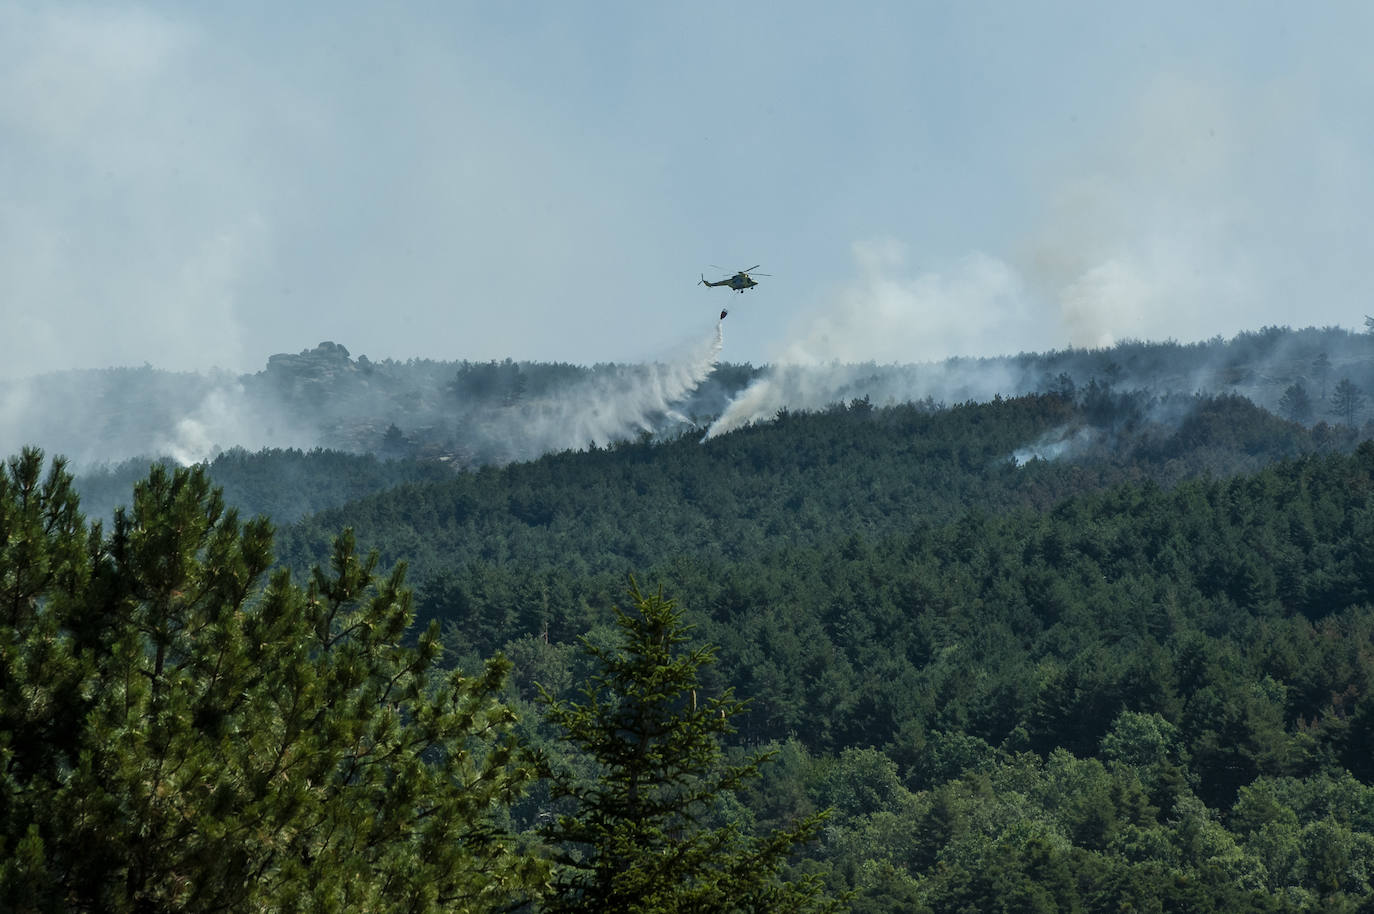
(634, 836)
(283, 484)
(177, 735)
(915, 619)
(869, 472)
(1092, 650)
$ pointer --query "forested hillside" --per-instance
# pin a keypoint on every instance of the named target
(1097, 647)
(1139, 670)
(283, 484)
(805, 479)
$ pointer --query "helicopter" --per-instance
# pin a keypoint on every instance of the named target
(739, 282)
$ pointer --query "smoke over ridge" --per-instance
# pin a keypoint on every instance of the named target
(476, 413)
(602, 409)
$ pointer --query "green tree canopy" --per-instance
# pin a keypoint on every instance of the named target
(636, 835)
(177, 734)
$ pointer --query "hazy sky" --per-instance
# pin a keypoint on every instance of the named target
(197, 184)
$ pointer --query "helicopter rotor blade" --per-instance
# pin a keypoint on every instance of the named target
(747, 269)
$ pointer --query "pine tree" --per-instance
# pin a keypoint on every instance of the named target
(177, 736)
(636, 837)
(1346, 401)
(1295, 404)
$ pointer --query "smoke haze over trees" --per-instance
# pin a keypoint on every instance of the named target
(480, 413)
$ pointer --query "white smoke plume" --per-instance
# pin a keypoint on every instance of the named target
(914, 326)
(97, 418)
(1064, 441)
(227, 417)
(1198, 212)
(1183, 221)
(323, 398)
(608, 408)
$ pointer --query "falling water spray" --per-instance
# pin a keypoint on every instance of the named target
(615, 406)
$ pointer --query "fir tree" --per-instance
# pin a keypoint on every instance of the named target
(636, 838)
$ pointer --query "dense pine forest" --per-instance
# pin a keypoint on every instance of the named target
(1087, 643)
